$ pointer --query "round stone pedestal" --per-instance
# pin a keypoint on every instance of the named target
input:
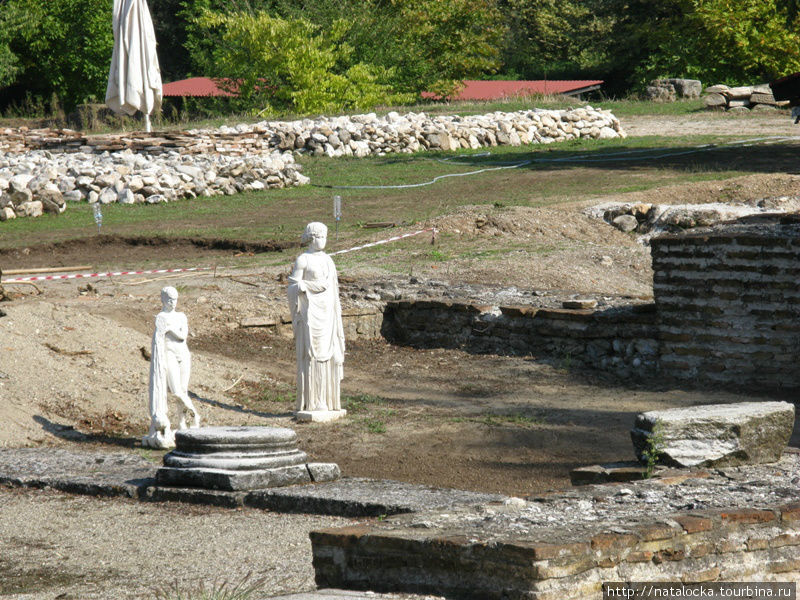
(240, 458)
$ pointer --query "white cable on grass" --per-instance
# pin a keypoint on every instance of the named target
(644, 154)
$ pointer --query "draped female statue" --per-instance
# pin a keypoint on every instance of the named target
(317, 323)
(170, 366)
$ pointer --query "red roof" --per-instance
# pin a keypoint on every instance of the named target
(472, 90)
(194, 86)
(495, 90)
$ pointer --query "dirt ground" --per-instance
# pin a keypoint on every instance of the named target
(73, 370)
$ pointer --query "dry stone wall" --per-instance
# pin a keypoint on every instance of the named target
(728, 305)
(355, 135)
(618, 340)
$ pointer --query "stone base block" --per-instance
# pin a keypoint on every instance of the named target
(233, 481)
(319, 416)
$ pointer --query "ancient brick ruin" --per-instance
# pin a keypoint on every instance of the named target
(726, 312)
(728, 305)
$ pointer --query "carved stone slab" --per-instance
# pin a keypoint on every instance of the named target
(716, 434)
(240, 458)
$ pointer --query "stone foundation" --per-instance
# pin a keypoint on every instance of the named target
(620, 340)
(678, 529)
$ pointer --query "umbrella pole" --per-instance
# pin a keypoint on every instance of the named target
(147, 122)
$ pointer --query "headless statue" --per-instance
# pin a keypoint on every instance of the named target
(170, 366)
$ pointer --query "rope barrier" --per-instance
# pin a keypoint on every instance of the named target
(189, 269)
(92, 275)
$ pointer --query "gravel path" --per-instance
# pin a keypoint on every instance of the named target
(54, 545)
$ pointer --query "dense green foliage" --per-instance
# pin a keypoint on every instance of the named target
(312, 55)
(716, 41)
(555, 39)
(60, 47)
(411, 45)
(291, 65)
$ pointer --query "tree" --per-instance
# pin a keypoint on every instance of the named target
(554, 38)
(753, 39)
(60, 47)
(439, 44)
(290, 64)
(426, 45)
(715, 41)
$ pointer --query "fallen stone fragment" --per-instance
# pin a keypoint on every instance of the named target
(715, 434)
(625, 223)
(580, 304)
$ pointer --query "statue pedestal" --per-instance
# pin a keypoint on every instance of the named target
(319, 416)
(240, 458)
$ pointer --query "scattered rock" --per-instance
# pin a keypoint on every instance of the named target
(625, 223)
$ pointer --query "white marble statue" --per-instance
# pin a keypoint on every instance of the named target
(319, 336)
(170, 366)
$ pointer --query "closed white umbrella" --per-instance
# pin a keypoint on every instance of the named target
(134, 79)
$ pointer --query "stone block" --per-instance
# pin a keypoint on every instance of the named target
(687, 88)
(323, 472)
(720, 434)
(219, 479)
(319, 416)
(608, 473)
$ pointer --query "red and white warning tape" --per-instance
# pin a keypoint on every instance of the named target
(391, 239)
(108, 274)
(159, 271)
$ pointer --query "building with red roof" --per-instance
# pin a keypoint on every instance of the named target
(472, 90)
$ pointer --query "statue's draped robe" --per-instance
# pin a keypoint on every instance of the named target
(158, 374)
(159, 385)
(319, 336)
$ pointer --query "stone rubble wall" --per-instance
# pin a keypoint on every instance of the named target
(355, 135)
(42, 170)
(618, 340)
(648, 220)
(728, 306)
(43, 181)
(741, 99)
(364, 135)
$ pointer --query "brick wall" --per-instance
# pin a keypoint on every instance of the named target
(749, 544)
(728, 306)
(621, 340)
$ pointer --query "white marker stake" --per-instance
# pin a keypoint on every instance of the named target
(337, 213)
(98, 216)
